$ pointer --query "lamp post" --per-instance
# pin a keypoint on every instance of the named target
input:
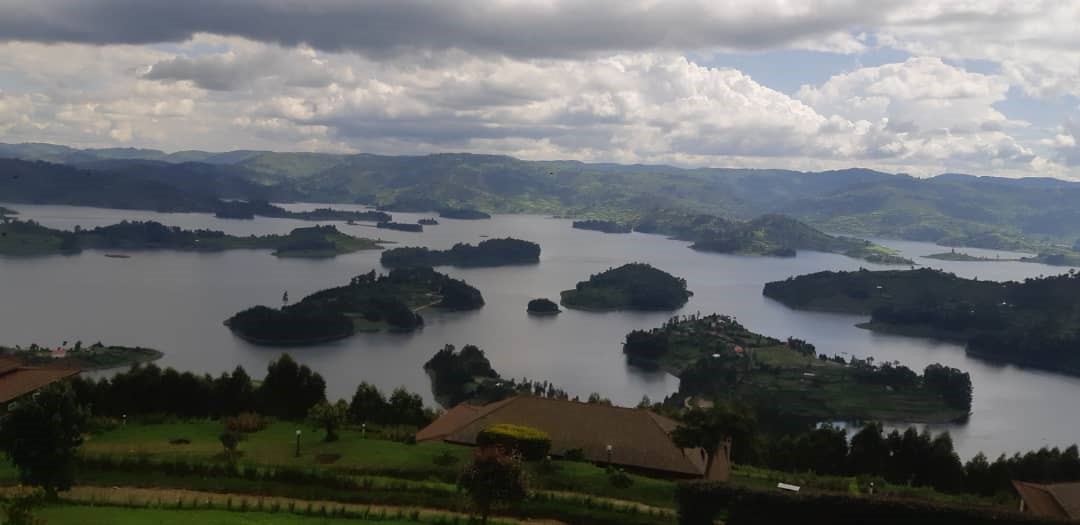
(363, 430)
(609, 448)
(298, 443)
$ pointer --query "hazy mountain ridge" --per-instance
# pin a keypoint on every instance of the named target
(952, 209)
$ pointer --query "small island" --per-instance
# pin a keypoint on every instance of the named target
(93, 357)
(463, 214)
(427, 222)
(466, 376)
(954, 255)
(400, 226)
(543, 307)
(715, 357)
(634, 286)
(251, 209)
(490, 252)
(29, 238)
(369, 303)
(602, 226)
(1031, 323)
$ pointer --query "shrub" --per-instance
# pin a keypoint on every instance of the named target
(574, 454)
(619, 478)
(531, 443)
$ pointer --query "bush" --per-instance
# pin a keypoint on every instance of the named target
(574, 454)
(246, 423)
(619, 478)
(533, 444)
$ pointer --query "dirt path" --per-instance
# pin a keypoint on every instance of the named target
(177, 498)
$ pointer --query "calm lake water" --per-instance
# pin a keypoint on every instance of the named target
(176, 302)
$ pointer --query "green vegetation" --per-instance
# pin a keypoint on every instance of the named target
(370, 302)
(543, 306)
(494, 478)
(1032, 323)
(959, 256)
(533, 444)
(261, 208)
(603, 226)
(490, 252)
(93, 357)
(30, 238)
(717, 358)
(41, 436)
(400, 226)
(1056, 257)
(634, 286)
(93, 515)
(462, 376)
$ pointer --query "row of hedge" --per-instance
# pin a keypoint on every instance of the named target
(701, 502)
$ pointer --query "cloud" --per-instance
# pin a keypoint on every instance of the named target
(520, 28)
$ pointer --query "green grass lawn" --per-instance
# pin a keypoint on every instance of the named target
(85, 515)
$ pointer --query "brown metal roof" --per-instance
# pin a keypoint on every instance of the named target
(8, 364)
(639, 438)
(21, 381)
(1055, 500)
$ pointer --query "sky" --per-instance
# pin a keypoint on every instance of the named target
(988, 87)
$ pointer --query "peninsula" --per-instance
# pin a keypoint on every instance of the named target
(1032, 323)
(369, 303)
(603, 226)
(27, 238)
(715, 357)
(490, 252)
(94, 357)
(635, 286)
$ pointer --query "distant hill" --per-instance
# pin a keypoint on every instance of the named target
(951, 209)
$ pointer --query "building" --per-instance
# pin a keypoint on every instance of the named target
(17, 381)
(1054, 500)
(639, 440)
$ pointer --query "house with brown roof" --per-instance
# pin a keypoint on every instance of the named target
(1054, 500)
(17, 381)
(631, 438)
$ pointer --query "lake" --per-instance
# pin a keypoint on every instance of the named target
(176, 302)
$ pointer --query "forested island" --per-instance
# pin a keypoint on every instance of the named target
(93, 357)
(1032, 323)
(400, 226)
(467, 376)
(369, 303)
(467, 214)
(28, 238)
(542, 306)
(490, 252)
(427, 222)
(251, 209)
(634, 286)
(603, 226)
(715, 357)
(961, 257)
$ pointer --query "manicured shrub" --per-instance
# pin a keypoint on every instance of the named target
(533, 444)
(246, 423)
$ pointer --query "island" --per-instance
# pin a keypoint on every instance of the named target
(400, 226)
(956, 256)
(427, 222)
(369, 303)
(768, 235)
(543, 306)
(603, 226)
(463, 214)
(634, 286)
(716, 358)
(490, 252)
(93, 357)
(466, 376)
(1032, 323)
(251, 209)
(28, 238)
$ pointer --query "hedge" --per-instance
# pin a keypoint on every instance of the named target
(533, 444)
(700, 502)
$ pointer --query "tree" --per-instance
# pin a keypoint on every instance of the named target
(42, 435)
(493, 478)
(710, 429)
(329, 417)
(368, 405)
(290, 389)
(229, 441)
(407, 408)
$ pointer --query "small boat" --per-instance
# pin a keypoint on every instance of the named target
(118, 255)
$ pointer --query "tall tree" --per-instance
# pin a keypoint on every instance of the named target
(493, 478)
(290, 389)
(329, 417)
(710, 429)
(41, 436)
(368, 405)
